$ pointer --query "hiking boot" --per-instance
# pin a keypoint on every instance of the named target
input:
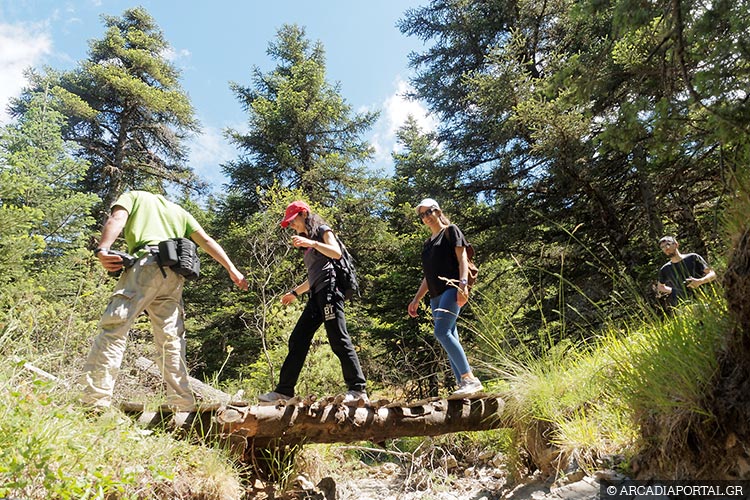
(468, 386)
(273, 396)
(352, 396)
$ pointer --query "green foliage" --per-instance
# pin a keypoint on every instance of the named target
(43, 225)
(665, 368)
(125, 109)
(49, 449)
(277, 463)
(37, 180)
(250, 322)
(621, 121)
(302, 133)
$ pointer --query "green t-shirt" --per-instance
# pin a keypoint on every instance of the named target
(152, 218)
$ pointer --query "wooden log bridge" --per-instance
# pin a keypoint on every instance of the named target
(313, 420)
(328, 420)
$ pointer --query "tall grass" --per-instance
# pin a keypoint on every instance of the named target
(50, 449)
(586, 399)
(666, 366)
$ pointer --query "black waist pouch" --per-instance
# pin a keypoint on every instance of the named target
(181, 256)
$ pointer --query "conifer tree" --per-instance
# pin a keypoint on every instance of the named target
(125, 109)
(44, 220)
(41, 213)
(618, 124)
(302, 133)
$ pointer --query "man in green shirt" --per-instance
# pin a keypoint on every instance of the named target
(146, 219)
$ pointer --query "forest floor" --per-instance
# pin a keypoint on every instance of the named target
(390, 482)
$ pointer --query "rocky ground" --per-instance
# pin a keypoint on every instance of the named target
(390, 481)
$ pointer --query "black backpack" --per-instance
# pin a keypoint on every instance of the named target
(346, 275)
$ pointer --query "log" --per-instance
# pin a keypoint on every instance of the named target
(205, 391)
(38, 371)
(328, 422)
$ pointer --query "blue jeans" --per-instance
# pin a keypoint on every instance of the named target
(445, 314)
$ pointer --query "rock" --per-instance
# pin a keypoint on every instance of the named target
(498, 473)
(498, 461)
(304, 483)
(609, 475)
(572, 477)
(389, 468)
(327, 486)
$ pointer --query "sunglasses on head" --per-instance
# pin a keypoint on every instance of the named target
(427, 213)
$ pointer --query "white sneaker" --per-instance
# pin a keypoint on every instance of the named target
(351, 396)
(469, 386)
(272, 396)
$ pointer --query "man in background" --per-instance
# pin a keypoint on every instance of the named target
(683, 273)
(146, 219)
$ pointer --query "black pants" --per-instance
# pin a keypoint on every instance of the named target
(324, 307)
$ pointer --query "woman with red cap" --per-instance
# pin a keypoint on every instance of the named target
(325, 306)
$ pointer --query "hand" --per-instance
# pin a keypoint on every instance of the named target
(463, 295)
(693, 282)
(239, 280)
(300, 241)
(663, 289)
(287, 298)
(413, 308)
(111, 263)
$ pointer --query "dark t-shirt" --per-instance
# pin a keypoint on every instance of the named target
(319, 267)
(439, 259)
(674, 274)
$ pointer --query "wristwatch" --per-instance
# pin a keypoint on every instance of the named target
(294, 292)
(463, 281)
(100, 249)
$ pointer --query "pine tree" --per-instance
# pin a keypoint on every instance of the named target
(125, 109)
(302, 133)
(42, 216)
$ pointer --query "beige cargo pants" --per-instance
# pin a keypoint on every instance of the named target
(142, 287)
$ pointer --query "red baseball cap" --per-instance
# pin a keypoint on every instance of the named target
(292, 210)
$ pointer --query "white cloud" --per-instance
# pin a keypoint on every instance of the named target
(208, 151)
(21, 46)
(172, 55)
(396, 109)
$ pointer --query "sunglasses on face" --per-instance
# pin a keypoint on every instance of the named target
(427, 213)
(666, 245)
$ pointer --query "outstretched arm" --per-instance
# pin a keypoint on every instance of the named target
(463, 274)
(219, 255)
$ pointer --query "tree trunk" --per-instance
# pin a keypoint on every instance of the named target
(737, 283)
(299, 421)
(327, 421)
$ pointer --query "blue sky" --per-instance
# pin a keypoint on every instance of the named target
(215, 42)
